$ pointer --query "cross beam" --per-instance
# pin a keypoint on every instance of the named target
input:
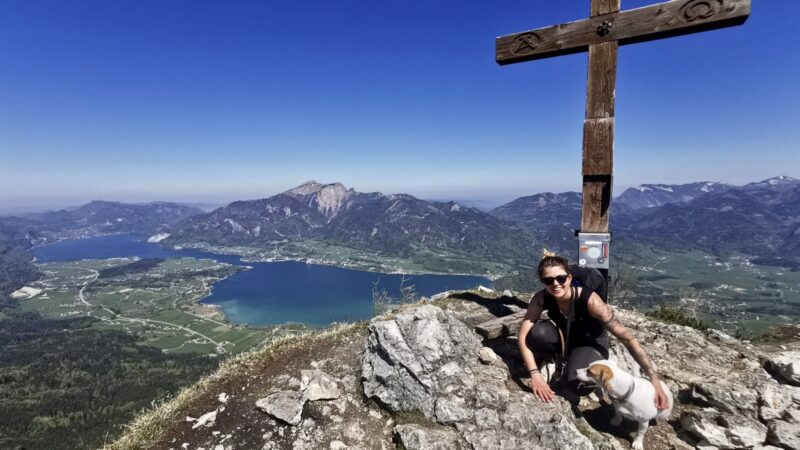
(608, 24)
(601, 34)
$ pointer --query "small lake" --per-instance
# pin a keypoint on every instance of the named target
(271, 292)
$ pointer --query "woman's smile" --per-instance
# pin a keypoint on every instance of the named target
(556, 289)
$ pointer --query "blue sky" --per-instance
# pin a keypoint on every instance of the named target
(212, 101)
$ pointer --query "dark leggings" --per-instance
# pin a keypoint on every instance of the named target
(545, 342)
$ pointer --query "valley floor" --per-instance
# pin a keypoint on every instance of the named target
(159, 305)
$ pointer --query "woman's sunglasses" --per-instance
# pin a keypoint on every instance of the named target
(561, 279)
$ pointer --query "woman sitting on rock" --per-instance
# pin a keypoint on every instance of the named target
(542, 341)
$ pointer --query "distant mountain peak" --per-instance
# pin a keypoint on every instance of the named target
(307, 188)
(326, 198)
(654, 195)
(781, 181)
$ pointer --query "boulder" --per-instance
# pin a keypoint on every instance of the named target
(787, 366)
(775, 400)
(412, 357)
(286, 406)
(426, 360)
(784, 434)
(318, 385)
(723, 430)
(729, 398)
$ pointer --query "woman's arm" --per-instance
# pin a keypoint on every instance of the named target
(601, 311)
(539, 385)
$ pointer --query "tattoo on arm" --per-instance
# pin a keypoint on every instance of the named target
(615, 327)
(641, 357)
(611, 320)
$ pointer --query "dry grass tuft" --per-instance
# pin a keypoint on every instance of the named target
(151, 424)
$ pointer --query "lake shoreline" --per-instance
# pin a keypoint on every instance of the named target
(279, 290)
(371, 267)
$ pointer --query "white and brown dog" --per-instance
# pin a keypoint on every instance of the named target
(632, 397)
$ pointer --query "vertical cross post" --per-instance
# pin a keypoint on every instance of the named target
(598, 127)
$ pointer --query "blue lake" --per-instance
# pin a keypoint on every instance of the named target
(273, 292)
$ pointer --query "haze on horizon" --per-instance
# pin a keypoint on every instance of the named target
(208, 102)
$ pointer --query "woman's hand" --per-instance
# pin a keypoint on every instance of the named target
(661, 397)
(540, 388)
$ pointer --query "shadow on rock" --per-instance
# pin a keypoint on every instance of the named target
(498, 307)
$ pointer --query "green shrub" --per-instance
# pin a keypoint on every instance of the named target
(678, 316)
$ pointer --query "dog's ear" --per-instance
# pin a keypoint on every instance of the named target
(602, 373)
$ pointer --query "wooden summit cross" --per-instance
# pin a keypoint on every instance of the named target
(601, 34)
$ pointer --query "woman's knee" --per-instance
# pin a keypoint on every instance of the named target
(543, 337)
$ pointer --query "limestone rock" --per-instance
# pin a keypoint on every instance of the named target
(206, 420)
(728, 398)
(416, 437)
(775, 400)
(724, 430)
(784, 434)
(318, 385)
(286, 406)
(404, 355)
(787, 365)
(337, 445)
(452, 410)
(487, 355)
(425, 359)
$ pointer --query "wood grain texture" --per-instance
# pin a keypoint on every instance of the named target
(596, 203)
(657, 21)
(602, 80)
(600, 7)
(502, 326)
(598, 146)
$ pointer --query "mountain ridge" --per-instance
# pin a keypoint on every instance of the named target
(382, 226)
(761, 219)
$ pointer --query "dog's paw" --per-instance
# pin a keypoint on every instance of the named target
(637, 445)
(616, 420)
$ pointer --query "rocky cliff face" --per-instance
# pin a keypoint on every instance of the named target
(328, 199)
(422, 379)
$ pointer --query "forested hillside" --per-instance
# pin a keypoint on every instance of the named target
(64, 383)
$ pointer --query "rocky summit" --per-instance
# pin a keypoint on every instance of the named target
(421, 378)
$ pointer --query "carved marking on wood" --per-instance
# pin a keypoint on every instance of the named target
(525, 43)
(604, 28)
(672, 18)
(695, 10)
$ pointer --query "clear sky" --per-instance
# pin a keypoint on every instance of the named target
(212, 101)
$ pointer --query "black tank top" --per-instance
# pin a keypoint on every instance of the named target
(585, 329)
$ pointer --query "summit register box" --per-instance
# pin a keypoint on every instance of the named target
(593, 250)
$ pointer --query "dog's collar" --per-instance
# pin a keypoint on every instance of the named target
(627, 394)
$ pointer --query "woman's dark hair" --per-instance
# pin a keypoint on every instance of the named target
(552, 260)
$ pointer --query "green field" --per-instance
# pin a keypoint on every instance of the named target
(726, 290)
(421, 261)
(158, 303)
